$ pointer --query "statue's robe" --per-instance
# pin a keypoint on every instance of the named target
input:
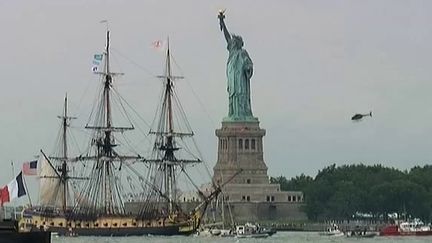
(239, 71)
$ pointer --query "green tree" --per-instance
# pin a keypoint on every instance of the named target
(340, 192)
(298, 183)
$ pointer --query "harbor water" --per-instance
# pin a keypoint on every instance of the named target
(295, 237)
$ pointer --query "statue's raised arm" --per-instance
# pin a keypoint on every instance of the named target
(223, 27)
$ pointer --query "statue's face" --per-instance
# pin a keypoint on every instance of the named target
(238, 41)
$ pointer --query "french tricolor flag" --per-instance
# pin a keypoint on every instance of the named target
(13, 190)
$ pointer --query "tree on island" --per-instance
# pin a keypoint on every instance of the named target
(345, 191)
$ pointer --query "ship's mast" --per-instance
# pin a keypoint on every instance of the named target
(64, 164)
(106, 193)
(58, 194)
(172, 130)
(166, 131)
(169, 146)
(64, 176)
(108, 80)
(171, 135)
(107, 146)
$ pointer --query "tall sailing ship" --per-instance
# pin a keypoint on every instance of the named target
(91, 202)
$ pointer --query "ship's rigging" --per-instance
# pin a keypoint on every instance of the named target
(166, 161)
(54, 176)
(102, 194)
(99, 190)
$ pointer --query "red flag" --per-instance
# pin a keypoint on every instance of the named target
(4, 195)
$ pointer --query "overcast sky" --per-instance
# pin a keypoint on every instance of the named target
(316, 63)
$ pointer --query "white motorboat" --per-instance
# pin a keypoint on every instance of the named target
(333, 230)
(250, 231)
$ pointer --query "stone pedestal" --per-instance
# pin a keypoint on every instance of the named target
(240, 146)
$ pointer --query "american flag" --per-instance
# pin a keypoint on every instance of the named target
(30, 168)
(159, 45)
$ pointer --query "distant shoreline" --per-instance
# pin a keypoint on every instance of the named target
(322, 226)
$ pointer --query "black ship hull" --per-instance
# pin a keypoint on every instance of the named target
(25, 237)
(10, 234)
(129, 231)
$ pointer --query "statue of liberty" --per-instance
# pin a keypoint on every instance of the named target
(239, 71)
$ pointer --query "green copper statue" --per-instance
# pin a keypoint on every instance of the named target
(239, 71)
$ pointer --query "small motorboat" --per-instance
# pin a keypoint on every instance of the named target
(361, 234)
(250, 231)
(333, 230)
(227, 233)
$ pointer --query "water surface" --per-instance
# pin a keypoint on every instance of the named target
(295, 237)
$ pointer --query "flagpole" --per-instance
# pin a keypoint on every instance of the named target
(27, 191)
(13, 175)
(13, 168)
